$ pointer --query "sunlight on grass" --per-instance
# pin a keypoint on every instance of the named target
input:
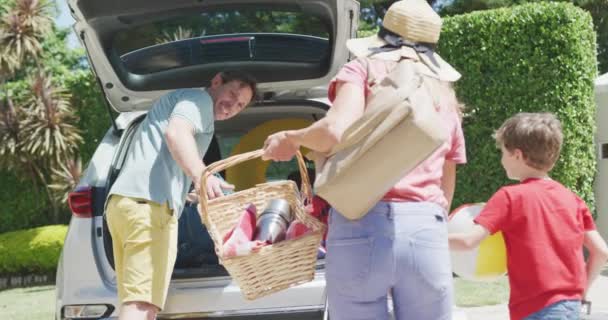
(475, 294)
(35, 303)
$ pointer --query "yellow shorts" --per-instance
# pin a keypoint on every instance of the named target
(144, 235)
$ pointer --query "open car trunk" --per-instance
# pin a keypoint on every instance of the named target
(140, 49)
(200, 286)
(196, 255)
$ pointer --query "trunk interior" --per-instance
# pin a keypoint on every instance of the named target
(196, 256)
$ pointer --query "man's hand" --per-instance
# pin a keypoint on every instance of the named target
(279, 147)
(215, 187)
(192, 197)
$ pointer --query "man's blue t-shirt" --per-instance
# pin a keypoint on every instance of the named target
(150, 172)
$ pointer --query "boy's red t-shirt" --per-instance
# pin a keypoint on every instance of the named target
(543, 224)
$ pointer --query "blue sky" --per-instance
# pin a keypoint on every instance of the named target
(64, 19)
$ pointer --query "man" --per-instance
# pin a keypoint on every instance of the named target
(164, 159)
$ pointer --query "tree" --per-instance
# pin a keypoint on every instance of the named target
(597, 8)
(38, 136)
(23, 26)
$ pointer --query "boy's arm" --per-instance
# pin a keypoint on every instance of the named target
(494, 217)
(598, 255)
(468, 240)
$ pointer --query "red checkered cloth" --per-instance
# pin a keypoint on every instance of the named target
(319, 208)
(239, 240)
(296, 229)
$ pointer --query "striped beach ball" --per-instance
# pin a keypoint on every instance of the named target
(488, 261)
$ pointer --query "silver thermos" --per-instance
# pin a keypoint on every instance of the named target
(272, 224)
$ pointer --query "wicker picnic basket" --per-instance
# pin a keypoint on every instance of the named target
(275, 267)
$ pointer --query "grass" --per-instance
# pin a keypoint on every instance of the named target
(476, 294)
(34, 303)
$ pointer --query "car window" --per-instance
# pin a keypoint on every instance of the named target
(244, 34)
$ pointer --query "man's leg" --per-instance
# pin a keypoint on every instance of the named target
(149, 250)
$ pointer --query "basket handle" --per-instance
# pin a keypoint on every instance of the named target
(218, 166)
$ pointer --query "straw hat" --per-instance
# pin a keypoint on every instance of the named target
(408, 25)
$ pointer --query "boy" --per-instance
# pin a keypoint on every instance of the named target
(544, 224)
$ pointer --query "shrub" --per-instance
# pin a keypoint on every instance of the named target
(24, 205)
(535, 57)
(94, 119)
(34, 251)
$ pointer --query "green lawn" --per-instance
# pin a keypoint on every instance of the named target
(476, 294)
(35, 303)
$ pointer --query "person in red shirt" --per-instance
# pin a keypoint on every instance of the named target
(545, 225)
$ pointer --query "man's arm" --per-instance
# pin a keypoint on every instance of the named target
(183, 148)
(468, 240)
(598, 255)
(182, 145)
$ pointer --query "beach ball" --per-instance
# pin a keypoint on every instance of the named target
(488, 261)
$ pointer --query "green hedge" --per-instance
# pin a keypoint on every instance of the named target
(535, 57)
(94, 118)
(22, 205)
(32, 251)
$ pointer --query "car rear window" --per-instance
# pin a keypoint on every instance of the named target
(255, 34)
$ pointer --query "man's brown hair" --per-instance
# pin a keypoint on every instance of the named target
(538, 136)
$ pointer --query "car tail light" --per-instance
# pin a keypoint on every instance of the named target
(90, 311)
(81, 202)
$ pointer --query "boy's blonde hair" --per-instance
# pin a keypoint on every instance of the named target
(538, 136)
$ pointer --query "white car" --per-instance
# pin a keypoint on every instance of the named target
(139, 50)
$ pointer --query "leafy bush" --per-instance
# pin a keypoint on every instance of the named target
(31, 251)
(535, 57)
(88, 102)
(23, 205)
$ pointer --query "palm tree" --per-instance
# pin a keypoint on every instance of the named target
(10, 136)
(23, 27)
(178, 34)
(49, 128)
(37, 132)
(65, 178)
(49, 133)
